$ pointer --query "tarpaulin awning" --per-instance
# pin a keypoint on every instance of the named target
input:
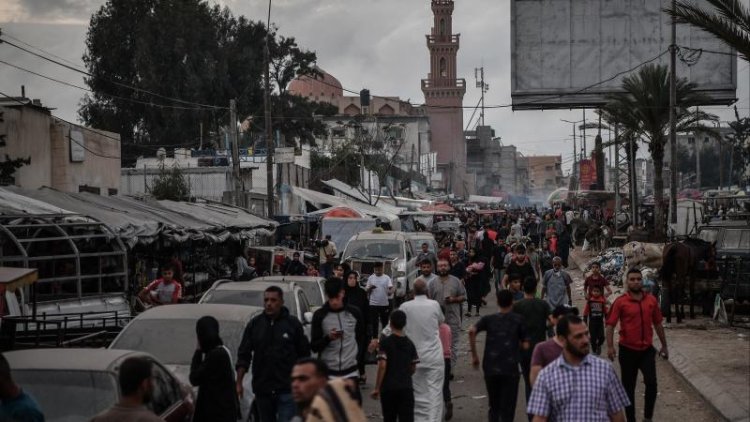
(338, 212)
(354, 194)
(480, 199)
(323, 200)
(140, 221)
(557, 195)
(441, 207)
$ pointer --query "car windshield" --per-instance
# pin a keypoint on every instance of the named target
(172, 341)
(69, 396)
(370, 248)
(416, 244)
(709, 235)
(737, 239)
(234, 297)
(312, 292)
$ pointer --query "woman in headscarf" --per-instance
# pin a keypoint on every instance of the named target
(213, 372)
(476, 278)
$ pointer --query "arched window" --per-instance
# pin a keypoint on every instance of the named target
(442, 26)
(443, 70)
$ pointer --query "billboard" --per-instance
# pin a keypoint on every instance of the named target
(571, 53)
(587, 169)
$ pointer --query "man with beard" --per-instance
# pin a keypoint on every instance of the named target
(425, 271)
(577, 386)
(639, 315)
(136, 389)
(450, 293)
(457, 267)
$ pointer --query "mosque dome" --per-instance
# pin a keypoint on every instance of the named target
(320, 88)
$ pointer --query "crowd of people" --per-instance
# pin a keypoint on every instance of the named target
(535, 334)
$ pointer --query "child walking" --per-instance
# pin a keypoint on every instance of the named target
(397, 361)
(594, 315)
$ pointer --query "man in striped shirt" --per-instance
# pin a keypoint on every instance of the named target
(577, 386)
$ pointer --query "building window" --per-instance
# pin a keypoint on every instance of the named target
(112, 192)
(338, 132)
(443, 68)
(442, 26)
(691, 141)
(89, 189)
(705, 140)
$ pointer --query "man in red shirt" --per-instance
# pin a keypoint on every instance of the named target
(596, 279)
(162, 291)
(639, 315)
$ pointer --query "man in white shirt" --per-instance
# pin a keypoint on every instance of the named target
(379, 286)
(423, 318)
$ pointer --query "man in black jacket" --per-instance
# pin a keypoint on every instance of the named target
(275, 340)
(338, 331)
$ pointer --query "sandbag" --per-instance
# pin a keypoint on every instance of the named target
(642, 254)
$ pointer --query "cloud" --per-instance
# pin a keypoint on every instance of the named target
(49, 11)
(374, 44)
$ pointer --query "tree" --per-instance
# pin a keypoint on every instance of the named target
(186, 60)
(728, 20)
(8, 169)
(643, 110)
(739, 142)
(171, 185)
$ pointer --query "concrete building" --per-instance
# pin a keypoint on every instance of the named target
(493, 164)
(64, 156)
(545, 175)
(523, 183)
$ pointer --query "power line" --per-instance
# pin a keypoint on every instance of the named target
(145, 91)
(100, 93)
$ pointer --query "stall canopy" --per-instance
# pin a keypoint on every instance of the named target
(321, 200)
(351, 193)
(480, 199)
(338, 212)
(441, 207)
(140, 221)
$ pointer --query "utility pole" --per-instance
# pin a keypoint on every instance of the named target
(238, 200)
(698, 164)
(618, 205)
(269, 129)
(599, 154)
(479, 77)
(672, 124)
(584, 153)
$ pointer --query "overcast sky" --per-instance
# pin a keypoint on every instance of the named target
(374, 44)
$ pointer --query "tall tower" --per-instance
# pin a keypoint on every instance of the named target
(444, 93)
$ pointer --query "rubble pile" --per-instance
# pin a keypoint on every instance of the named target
(612, 263)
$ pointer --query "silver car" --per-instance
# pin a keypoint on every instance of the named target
(73, 385)
(168, 332)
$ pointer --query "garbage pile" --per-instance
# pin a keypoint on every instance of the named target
(612, 263)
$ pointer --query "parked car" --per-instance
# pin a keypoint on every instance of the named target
(314, 287)
(393, 249)
(168, 332)
(73, 385)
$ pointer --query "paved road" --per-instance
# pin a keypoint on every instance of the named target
(677, 401)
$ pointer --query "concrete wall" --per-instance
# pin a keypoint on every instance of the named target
(100, 168)
(27, 130)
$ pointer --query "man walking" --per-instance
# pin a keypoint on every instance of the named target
(273, 341)
(450, 293)
(556, 285)
(326, 254)
(378, 286)
(506, 337)
(535, 313)
(639, 315)
(337, 333)
(136, 382)
(577, 386)
(424, 317)
(425, 271)
(498, 261)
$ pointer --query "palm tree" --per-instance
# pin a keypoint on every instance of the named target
(728, 20)
(642, 109)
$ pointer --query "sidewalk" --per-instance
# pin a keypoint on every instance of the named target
(713, 359)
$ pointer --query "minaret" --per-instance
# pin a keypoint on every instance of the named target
(444, 93)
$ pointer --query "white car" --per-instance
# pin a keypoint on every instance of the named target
(168, 332)
(314, 287)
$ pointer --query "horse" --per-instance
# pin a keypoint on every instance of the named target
(681, 263)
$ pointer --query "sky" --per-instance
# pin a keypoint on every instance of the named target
(373, 44)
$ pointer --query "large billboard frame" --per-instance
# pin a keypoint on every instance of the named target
(561, 62)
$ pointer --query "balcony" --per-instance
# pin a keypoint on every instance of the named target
(442, 39)
(443, 83)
